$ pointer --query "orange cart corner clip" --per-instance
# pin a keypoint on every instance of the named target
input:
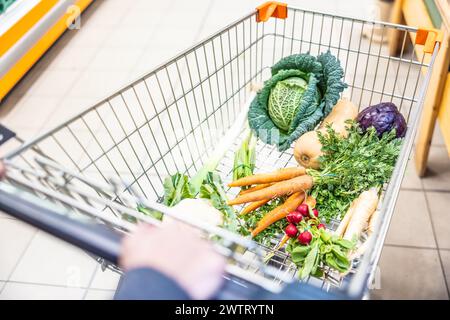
(271, 9)
(428, 37)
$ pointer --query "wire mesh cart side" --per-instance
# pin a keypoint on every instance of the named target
(99, 166)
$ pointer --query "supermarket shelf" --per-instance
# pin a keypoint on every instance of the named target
(15, 13)
(26, 33)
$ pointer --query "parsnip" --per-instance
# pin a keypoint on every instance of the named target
(366, 205)
(344, 223)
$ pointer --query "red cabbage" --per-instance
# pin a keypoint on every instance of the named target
(383, 117)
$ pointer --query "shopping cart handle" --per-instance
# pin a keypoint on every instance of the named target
(95, 238)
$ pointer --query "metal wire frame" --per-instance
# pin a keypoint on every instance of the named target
(170, 119)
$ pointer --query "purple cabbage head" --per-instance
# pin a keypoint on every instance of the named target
(383, 117)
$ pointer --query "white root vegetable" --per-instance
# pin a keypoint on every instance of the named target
(200, 209)
(344, 223)
(372, 222)
(366, 205)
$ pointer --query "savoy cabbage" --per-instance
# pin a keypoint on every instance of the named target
(301, 92)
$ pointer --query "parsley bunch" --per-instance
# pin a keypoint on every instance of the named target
(351, 165)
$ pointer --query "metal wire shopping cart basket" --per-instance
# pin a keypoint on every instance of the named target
(83, 180)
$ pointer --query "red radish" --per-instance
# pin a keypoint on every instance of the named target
(294, 217)
(303, 209)
(321, 226)
(315, 212)
(305, 237)
(291, 231)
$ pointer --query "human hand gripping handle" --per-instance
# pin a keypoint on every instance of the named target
(178, 252)
(2, 170)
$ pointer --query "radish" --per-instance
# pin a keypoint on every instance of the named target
(321, 226)
(291, 231)
(305, 237)
(303, 209)
(315, 212)
(294, 217)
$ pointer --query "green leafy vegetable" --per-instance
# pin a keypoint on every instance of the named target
(244, 158)
(177, 188)
(148, 212)
(351, 165)
(324, 250)
(249, 222)
(302, 91)
(212, 189)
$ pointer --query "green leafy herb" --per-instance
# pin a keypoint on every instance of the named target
(351, 165)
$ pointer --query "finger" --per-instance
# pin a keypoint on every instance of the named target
(2, 171)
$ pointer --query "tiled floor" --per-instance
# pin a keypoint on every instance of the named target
(121, 40)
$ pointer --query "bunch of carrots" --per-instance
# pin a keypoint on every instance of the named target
(292, 182)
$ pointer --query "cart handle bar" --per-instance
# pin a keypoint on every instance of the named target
(104, 242)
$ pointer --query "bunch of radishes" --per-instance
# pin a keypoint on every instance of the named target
(303, 218)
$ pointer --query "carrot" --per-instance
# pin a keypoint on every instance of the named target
(276, 176)
(311, 202)
(301, 183)
(257, 187)
(280, 245)
(279, 212)
(282, 242)
(253, 206)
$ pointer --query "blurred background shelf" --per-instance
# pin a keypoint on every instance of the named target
(28, 28)
(428, 14)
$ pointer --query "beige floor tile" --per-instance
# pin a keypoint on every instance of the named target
(108, 13)
(25, 291)
(105, 280)
(408, 273)
(55, 83)
(112, 59)
(67, 109)
(51, 261)
(72, 58)
(411, 180)
(130, 37)
(98, 84)
(88, 37)
(28, 83)
(411, 225)
(99, 295)
(33, 113)
(15, 236)
(445, 256)
(7, 107)
(439, 204)
(5, 216)
(438, 170)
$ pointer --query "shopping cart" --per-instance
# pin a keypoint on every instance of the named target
(83, 180)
